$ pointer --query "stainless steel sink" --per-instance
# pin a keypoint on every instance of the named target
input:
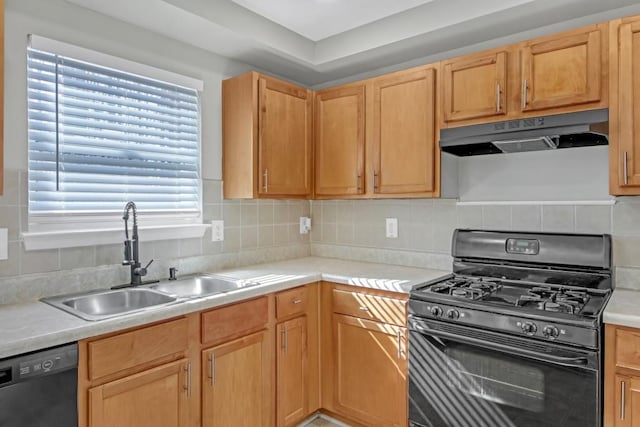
(200, 286)
(105, 304)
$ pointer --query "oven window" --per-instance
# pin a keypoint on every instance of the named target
(492, 377)
(452, 384)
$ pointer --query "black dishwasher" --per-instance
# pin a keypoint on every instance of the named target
(40, 389)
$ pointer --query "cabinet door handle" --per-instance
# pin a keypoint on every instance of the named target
(364, 308)
(498, 100)
(297, 301)
(622, 399)
(524, 94)
(187, 386)
(399, 334)
(212, 368)
(625, 172)
(265, 176)
(375, 181)
(285, 338)
(358, 178)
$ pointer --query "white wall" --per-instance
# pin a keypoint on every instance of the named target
(572, 174)
(63, 21)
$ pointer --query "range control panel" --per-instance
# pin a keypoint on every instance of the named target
(523, 246)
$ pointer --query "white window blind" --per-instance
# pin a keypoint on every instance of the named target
(99, 137)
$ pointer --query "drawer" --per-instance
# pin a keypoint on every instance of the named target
(628, 349)
(371, 307)
(233, 320)
(292, 302)
(140, 347)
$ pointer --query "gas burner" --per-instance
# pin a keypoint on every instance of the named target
(467, 287)
(556, 300)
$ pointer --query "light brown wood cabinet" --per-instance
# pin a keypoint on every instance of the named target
(340, 141)
(364, 362)
(622, 377)
(624, 116)
(377, 138)
(297, 355)
(157, 397)
(474, 86)
(236, 383)
(1, 97)
(266, 142)
(547, 75)
(142, 377)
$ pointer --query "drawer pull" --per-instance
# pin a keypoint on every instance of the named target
(187, 386)
(297, 301)
(622, 399)
(364, 308)
(211, 368)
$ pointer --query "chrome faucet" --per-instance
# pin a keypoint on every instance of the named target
(131, 248)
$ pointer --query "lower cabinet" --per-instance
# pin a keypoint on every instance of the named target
(292, 372)
(157, 397)
(370, 371)
(622, 377)
(364, 355)
(236, 382)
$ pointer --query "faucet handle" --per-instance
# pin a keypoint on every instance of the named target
(142, 271)
(148, 264)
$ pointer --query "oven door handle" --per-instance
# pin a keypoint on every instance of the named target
(575, 362)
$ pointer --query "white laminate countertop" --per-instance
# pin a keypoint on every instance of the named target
(623, 308)
(36, 325)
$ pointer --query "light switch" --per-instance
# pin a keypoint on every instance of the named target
(217, 230)
(4, 243)
(392, 228)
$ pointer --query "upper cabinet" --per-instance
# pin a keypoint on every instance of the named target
(474, 86)
(548, 75)
(404, 148)
(563, 70)
(624, 115)
(266, 128)
(340, 141)
(377, 138)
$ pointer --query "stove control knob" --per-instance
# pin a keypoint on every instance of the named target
(436, 311)
(550, 332)
(529, 328)
(453, 314)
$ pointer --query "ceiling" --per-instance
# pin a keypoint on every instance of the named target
(319, 19)
(318, 41)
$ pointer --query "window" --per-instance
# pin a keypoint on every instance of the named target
(100, 136)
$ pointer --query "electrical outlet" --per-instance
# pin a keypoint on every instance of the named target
(392, 228)
(4, 243)
(305, 225)
(217, 231)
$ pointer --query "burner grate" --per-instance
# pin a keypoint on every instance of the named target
(557, 300)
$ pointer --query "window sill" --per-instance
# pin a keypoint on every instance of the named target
(71, 239)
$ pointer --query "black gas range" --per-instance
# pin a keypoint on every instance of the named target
(514, 336)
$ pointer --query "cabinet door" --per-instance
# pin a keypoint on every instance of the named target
(625, 113)
(284, 159)
(292, 371)
(370, 371)
(404, 142)
(236, 382)
(561, 72)
(627, 401)
(155, 398)
(475, 87)
(340, 139)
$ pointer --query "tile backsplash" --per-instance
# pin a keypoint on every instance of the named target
(255, 231)
(267, 230)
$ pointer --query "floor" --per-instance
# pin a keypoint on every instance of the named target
(321, 422)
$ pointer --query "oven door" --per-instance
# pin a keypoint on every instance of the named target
(465, 377)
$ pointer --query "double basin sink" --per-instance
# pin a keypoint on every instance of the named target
(99, 305)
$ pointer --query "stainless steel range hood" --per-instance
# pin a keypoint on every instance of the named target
(581, 129)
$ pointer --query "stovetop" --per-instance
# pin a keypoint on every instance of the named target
(518, 296)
